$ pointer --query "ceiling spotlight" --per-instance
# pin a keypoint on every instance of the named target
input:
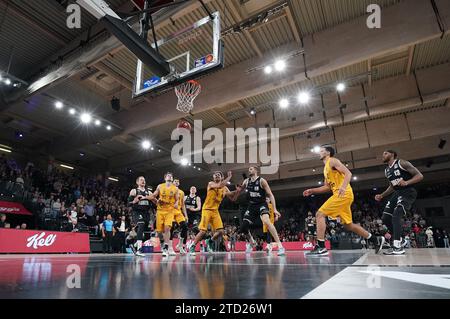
(146, 144)
(86, 118)
(72, 111)
(280, 65)
(7, 81)
(159, 150)
(284, 103)
(82, 154)
(194, 166)
(320, 183)
(184, 162)
(189, 164)
(346, 164)
(108, 127)
(59, 105)
(315, 149)
(152, 148)
(303, 97)
(199, 169)
(252, 111)
(355, 178)
(16, 85)
(340, 87)
(314, 170)
(97, 122)
(19, 135)
(268, 69)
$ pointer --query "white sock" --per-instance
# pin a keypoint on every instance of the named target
(370, 236)
(397, 243)
(139, 244)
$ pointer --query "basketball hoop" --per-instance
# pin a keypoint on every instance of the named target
(186, 93)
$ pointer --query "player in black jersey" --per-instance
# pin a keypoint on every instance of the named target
(257, 190)
(193, 205)
(140, 214)
(401, 175)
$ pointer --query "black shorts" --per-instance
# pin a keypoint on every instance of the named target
(140, 217)
(255, 211)
(403, 198)
(194, 216)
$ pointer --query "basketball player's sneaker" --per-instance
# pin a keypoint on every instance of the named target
(403, 242)
(192, 250)
(379, 246)
(281, 251)
(136, 252)
(172, 252)
(209, 243)
(165, 252)
(269, 248)
(181, 250)
(395, 251)
(317, 251)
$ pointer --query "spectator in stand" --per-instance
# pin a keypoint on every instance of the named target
(89, 211)
(445, 239)
(122, 227)
(107, 234)
(23, 226)
(72, 226)
(56, 208)
(2, 220)
(7, 225)
(430, 240)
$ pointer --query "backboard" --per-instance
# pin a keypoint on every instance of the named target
(191, 52)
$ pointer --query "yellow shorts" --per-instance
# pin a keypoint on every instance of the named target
(164, 217)
(272, 220)
(179, 217)
(210, 217)
(339, 207)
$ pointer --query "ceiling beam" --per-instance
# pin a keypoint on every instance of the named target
(237, 16)
(221, 116)
(292, 23)
(410, 59)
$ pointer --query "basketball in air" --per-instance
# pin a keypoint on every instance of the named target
(184, 124)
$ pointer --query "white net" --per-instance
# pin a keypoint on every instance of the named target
(186, 93)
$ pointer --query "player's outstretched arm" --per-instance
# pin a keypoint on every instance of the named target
(222, 183)
(318, 190)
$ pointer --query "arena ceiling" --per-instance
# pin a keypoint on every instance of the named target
(397, 77)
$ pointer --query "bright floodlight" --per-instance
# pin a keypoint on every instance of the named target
(199, 169)
(8, 82)
(340, 87)
(268, 69)
(303, 97)
(280, 65)
(146, 144)
(59, 105)
(284, 103)
(86, 118)
(316, 149)
(184, 162)
(108, 127)
(97, 122)
(72, 111)
(355, 178)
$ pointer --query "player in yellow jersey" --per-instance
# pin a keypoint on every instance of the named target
(181, 219)
(273, 219)
(216, 191)
(167, 204)
(337, 180)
